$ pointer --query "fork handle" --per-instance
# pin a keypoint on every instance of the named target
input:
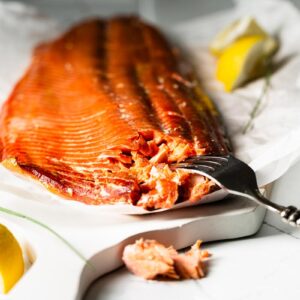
(289, 214)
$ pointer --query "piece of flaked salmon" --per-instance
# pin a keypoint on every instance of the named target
(101, 113)
(191, 264)
(151, 260)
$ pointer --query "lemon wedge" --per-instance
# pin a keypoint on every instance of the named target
(243, 50)
(245, 59)
(11, 260)
(240, 28)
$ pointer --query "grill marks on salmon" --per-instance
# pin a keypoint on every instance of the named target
(101, 113)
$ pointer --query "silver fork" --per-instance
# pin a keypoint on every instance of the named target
(238, 179)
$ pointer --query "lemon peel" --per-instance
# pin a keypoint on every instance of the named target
(243, 27)
(11, 260)
(245, 59)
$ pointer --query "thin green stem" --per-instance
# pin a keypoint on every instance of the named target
(22, 216)
(258, 102)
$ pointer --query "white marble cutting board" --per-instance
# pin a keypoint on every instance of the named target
(57, 273)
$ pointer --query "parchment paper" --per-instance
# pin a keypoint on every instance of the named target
(271, 147)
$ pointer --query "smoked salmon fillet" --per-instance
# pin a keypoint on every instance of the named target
(102, 112)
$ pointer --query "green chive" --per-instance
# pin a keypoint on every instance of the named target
(258, 102)
(22, 216)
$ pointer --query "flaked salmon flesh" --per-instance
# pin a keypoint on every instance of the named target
(152, 260)
(102, 112)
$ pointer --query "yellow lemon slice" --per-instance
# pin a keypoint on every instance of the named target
(240, 28)
(245, 59)
(11, 260)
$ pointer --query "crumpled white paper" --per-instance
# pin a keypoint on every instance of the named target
(271, 147)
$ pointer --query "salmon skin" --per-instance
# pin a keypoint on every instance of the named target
(101, 113)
